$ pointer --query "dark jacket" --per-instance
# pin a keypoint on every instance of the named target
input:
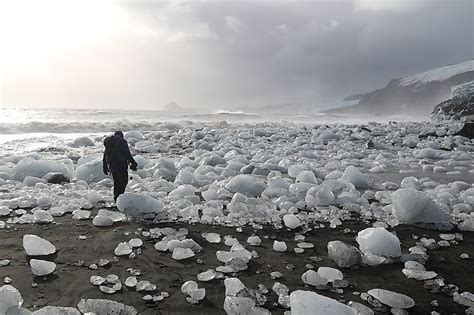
(123, 159)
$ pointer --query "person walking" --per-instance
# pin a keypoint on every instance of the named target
(117, 158)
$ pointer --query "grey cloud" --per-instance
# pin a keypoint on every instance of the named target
(229, 53)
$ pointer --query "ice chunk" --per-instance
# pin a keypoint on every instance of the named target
(135, 205)
(361, 309)
(135, 242)
(467, 225)
(212, 237)
(30, 181)
(131, 281)
(102, 221)
(247, 185)
(233, 286)
(242, 306)
(82, 142)
(306, 177)
(319, 196)
(354, 176)
(44, 202)
(307, 302)
(189, 286)
(313, 278)
(330, 274)
(103, 306)
(291, 221)
(42, 267)
(4, 211)
(182, 253)
(465, 298)
(419, 274)
(392, 299)
(378, 241)
(91, 171)
(279, 246)
(344, 255)
(411, 206)
(122, 249)
(10, 300)
(428, 153)
(57, 310)
(134, 135)
(39, 168)
(37, 246)
(208, 275)
(254, 240)
(115, 216)
(191, 289)
(43, 216)
(81, 214)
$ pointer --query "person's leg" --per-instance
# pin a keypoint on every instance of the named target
(120, 184)
(116, 177)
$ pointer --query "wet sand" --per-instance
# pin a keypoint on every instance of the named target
(70, 283)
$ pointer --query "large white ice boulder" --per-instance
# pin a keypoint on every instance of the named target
(319, 196)
(91, 172)
(354, 176)
(307, 302)
(247, 185)
(10, 300)
(411, 206)
(37, 246)
(39, 168)
(134, 204)
(379, 242)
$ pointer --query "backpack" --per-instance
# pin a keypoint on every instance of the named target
(111, 149)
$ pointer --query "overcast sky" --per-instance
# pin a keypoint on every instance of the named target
(220, 54)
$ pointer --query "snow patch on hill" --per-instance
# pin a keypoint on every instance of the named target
(438, 74)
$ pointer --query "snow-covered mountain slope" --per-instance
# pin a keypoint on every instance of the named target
(438, 74)
(415, 94)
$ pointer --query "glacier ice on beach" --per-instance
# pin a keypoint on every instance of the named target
(378, 242)
(39, 168)
(307, 302)
(343, 255)
(42, 267)
(134, 204)
(411, 206)
(37, 246)
(247, 185)
(355, 177)
(392, 299)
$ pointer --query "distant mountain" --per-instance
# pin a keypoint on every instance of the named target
(355, 97)
(297, 108)
(416, 94)
(173, 107)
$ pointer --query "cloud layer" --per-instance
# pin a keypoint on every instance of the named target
(143, 54)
